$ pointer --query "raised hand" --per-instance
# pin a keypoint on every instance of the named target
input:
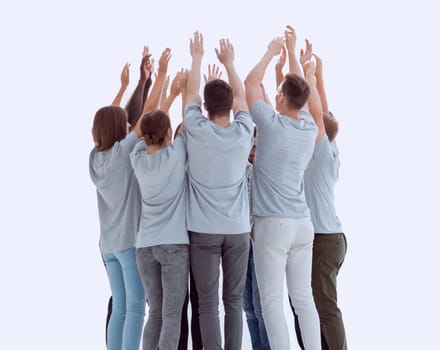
(196, 45)
(176, 84)
(306, 55)
(213, 73)
(125, 75)
(290, 38)
(318, 65)
(145, 64)
(164, 60)
(184, 79)
(282, 60)
(226, 53)
(275, 46)
(309, 68)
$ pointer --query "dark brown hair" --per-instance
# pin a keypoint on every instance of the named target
(109, 126)
(176, 132)
(331, 126)
(296, 91)
(218, 97)
(154, 127)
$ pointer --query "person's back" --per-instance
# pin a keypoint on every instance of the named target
(285, 147)
(218, 203)
(217, 160)
(119, 206)
(162, 246)
(118, 195)
(283, 231)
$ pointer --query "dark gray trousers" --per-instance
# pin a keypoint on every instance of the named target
(207, 252)
(164, 272)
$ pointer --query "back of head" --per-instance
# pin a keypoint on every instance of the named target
(296, 91)
(331, 126)
(218, 97)
(155, 127)
(109, 126)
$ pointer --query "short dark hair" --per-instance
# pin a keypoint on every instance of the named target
(331, 126)
(109, 126)
(154, 127)
(218, 97)
(296, 91)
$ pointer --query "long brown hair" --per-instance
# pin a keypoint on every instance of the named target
(109, 126)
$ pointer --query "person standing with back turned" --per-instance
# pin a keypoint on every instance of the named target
(283, 231)
(218, 203)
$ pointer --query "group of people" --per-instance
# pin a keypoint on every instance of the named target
(254, 195)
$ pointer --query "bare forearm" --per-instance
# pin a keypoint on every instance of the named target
(168, 102)
(134, 104)
(237, 87)
(294, 66)
(194, 76)
(118, 97)
(314, 104)
(256, 75)
(183, 102)
(279, 76)
(322, 94)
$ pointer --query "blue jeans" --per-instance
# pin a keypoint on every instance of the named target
(164, 270)
(127, 319)
(252, 308)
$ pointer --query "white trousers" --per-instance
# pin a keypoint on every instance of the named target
(283, 248)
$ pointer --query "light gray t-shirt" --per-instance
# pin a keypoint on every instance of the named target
(163, 184)
(319, 180)
(284, 148)
(217, 159)
(119, 198)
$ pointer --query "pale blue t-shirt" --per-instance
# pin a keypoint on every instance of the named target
(217, 184)
(284, 148)
(119, 198)
(163, 184)
(319, 180)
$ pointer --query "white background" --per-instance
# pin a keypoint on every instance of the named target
(61, 61)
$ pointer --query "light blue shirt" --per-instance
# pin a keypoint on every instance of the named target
(284, 148)
(217, 184)
(162, 180)
(119, 198)
(320, 179)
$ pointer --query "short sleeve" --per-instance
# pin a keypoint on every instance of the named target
(128, 142)
(262, 113)
(244, 118)
(138, 149)
(180, 147)
(193, 116)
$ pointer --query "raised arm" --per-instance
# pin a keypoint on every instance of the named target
(183, 86)
(153, 100)
(175, 90)
(193, 86)
(266, 97)
(125, 79)
(320, 84)
(163, 93)
(226, 56)
(314, 102)
(279, 76)
(290, 38)
(138, 98)
(255, 77)
(305, 55)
